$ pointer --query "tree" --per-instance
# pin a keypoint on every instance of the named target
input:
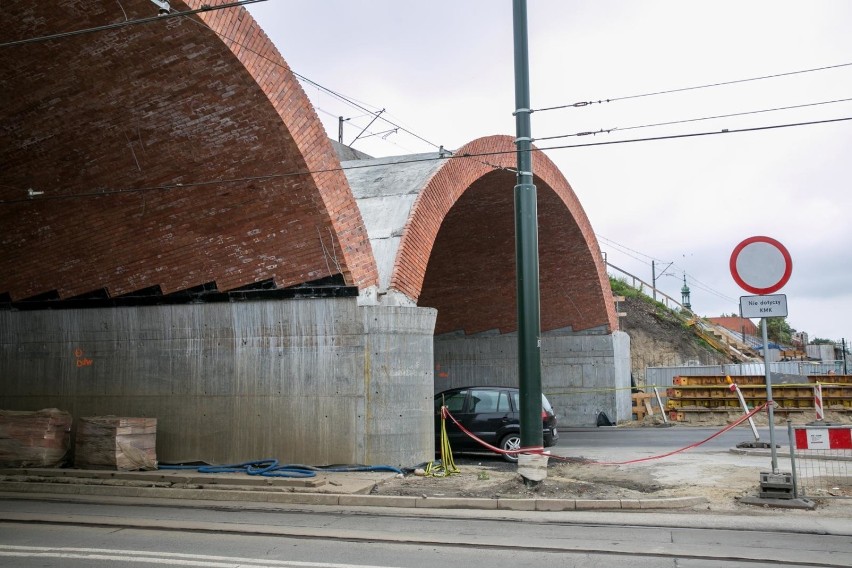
(779, 331)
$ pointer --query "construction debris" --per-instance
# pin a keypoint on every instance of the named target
(34, 438)
(120, 443)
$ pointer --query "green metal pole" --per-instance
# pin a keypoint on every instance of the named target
(526, 245)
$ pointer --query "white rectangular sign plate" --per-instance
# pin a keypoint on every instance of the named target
(771, 306)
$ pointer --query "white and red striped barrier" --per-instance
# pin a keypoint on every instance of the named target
(838, 438)
(820, 415)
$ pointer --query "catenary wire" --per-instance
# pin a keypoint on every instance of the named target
(456, 156)
(62, 35)
(684, 121)
(616, 244)
(693, 88)
(369, 132)
(348, 100)
(697, 283)
(208, 8)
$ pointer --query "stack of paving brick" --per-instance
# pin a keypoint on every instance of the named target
(34, 438)
(120, 443)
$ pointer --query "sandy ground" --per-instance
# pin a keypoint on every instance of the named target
(722, 477)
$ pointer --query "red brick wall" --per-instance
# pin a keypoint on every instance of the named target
(159, 104)
(458, 251)
(737, 324)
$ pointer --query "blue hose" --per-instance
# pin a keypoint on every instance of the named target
(271, 468)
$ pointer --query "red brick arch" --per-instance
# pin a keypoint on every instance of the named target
(167, 103)
(457, 251)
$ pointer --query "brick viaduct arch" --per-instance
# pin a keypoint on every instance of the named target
(167, 104)
(457, 252)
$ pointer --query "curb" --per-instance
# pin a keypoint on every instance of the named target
(350, 500)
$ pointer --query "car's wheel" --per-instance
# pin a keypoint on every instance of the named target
(510, 442)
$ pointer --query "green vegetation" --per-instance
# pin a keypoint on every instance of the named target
(779, 331)
(620, 287)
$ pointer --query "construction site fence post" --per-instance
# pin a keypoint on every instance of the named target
(662, 408)
(820, 415)
(792, 441)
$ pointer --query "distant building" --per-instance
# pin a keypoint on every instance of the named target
(800, 338)
(737, 324)
(823, 352)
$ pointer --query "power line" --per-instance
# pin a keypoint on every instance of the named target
(698, 284)
(343, 98)
(693, 88)
(204, 8)
(613, 243)
(455, 156)
(684, 121)
(706, 286)
(645, 262)
(335, 94)
(370, 133)
(207, 8)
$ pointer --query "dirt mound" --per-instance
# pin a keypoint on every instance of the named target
(496, 479)
(660, 338)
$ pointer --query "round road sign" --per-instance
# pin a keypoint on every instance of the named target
(761, 265)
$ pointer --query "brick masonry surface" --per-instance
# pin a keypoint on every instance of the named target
(130, 133)
(462, 260)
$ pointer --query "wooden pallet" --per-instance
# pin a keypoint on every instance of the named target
(642, 405)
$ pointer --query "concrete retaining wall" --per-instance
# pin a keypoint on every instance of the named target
(315, 381)
(582, 373)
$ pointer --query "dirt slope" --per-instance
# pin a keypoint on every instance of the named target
(659, 338)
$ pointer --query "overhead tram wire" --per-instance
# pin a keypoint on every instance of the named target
(159, 18)
(369, 132)
(615, 244)
(704, 286)
(684, 121)
(622, 249)
(456, 156)
(335, 94)
(693, 88)
(208, 8)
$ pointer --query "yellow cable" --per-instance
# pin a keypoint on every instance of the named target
(448, 465)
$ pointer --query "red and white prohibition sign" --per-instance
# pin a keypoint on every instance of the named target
(761, 265)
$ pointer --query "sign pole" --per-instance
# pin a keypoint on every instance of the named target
(761, 265)
(770, 403)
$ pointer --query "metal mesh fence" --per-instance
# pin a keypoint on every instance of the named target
(822, 460)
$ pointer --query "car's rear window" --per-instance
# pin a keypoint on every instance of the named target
(453, 401)
(545, 404)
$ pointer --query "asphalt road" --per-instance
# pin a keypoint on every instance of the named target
(76, 535)
(116, 532)
(663, 438)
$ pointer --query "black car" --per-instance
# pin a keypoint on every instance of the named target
(492, 414)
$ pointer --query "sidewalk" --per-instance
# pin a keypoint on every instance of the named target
(711, 482)
(342, 489)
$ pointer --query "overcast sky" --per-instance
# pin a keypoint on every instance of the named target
(443, 69)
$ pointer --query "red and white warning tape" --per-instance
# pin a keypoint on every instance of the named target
(539, 450)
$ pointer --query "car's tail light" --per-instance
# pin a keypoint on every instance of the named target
(543, 413)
